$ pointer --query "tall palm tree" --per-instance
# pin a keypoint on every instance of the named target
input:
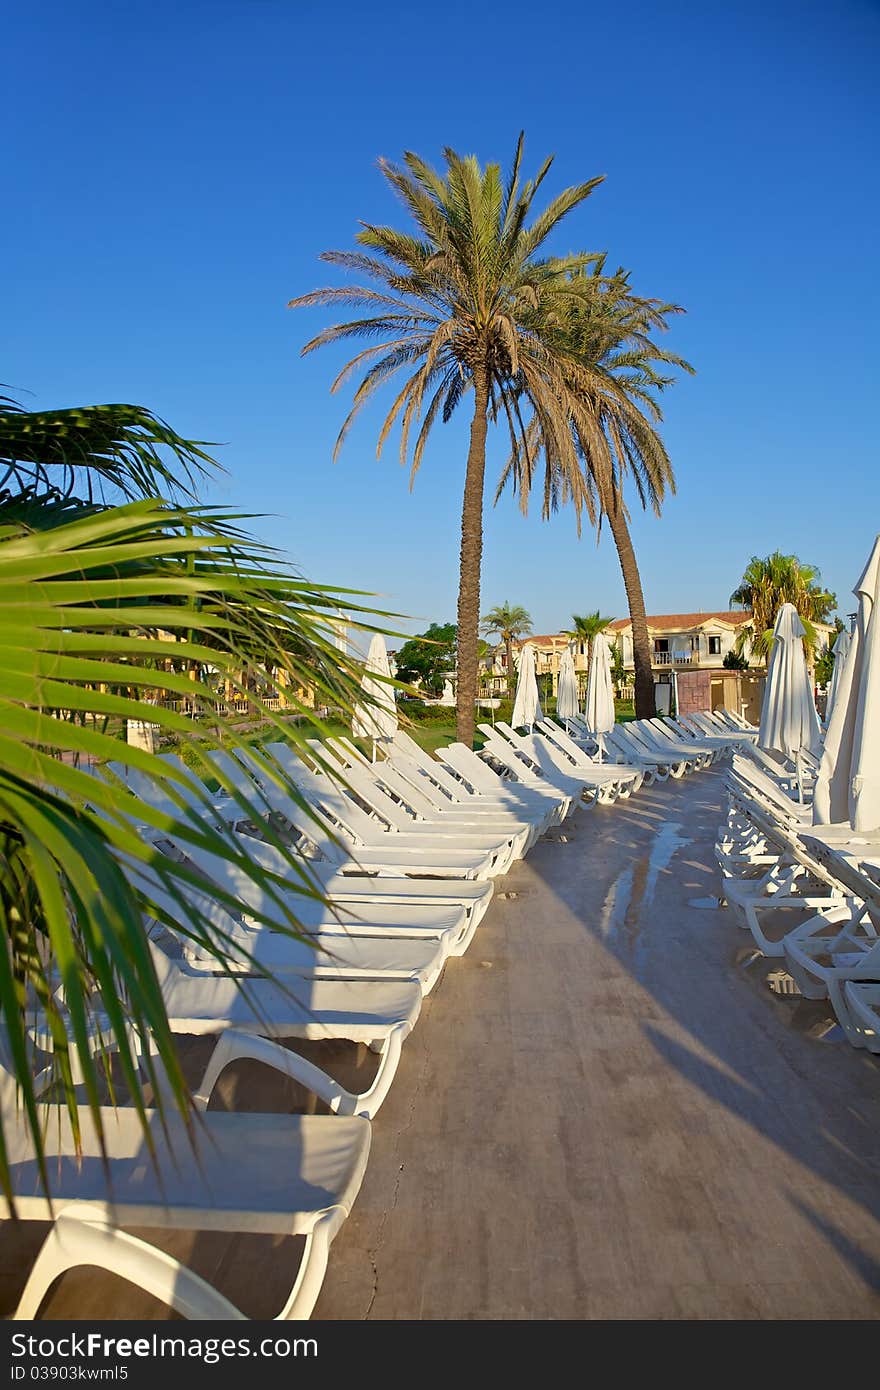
(586, 629)
(111, 613)
(471, 302)
(614, 370)
(769, 582)
(509, 622)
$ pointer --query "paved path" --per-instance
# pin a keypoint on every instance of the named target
(603, 1113)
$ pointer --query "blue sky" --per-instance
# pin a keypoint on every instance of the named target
(174, 171)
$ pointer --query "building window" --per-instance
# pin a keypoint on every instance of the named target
(661, 644)
(714, 646)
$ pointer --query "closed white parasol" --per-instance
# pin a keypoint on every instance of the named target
(376, 720)
(848, 786)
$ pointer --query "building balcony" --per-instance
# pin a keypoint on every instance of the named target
(675, 659)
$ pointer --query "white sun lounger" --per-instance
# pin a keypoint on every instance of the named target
(793, 880)
(627, 750)
(491, 799)
(686, 726)
(430, 795)
(821, 965)
(334, 838)
(249, 1013)
(542, 762)
(607, 778)
(515, 763)
(366, 841)
(476, 773)
(282, 1175)
(675, 753)
(665, 736)
(576, 754)
(350, 918)
(318, 956)
(351, 888)
(412, 813)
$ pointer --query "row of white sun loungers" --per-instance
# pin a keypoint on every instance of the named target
(407, 850)
(775, 863)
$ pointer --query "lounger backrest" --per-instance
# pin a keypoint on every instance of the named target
(311, 824)
(512, 757)
(616, 740)
(550, 760)
(749, 772)
(331, 799)
(475, 771)
(432, 772)
(575, 752)
(367, 784)
(410, 792)
(653, 742)
(407, 744)
(390, 776)
(620, 737)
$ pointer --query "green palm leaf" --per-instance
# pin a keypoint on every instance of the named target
(124, 446)
(99, 610)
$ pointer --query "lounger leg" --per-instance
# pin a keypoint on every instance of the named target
(233, 1046)
(83, 1237)
(836, 996)
(369, 1101)
(304, 1294)
(460, 945)
(777, 948)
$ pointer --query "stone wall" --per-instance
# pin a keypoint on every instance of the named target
(694, 691)
(740, 691)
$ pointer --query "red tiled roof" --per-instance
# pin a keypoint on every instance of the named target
(673, 621)
(549, 639)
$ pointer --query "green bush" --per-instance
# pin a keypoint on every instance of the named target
(420, 713)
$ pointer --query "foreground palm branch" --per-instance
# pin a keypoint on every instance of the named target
(470, 301)
(106, 615)
(124, 447)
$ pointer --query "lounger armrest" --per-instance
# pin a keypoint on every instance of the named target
(82, 1236)
(234, 1045)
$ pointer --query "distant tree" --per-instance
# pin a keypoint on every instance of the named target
(825, 661)
(615, 370)
(766, 585)
(510, 622)
(618, 670)
(468, 309)
(735, 661)
(586, 629)
(428, 659)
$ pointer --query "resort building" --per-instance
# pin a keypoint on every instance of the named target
(683, 639)
(681, 643)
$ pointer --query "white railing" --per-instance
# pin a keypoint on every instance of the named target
(675, 659)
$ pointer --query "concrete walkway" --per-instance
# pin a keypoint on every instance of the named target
(603, 1113)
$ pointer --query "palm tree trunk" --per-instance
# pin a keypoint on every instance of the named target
(508, 647)
(644, 678)
(471, 560)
